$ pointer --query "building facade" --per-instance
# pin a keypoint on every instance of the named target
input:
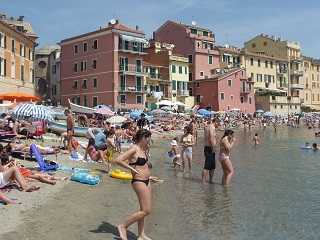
(104, 67)
(16, 58)
(194, 42)
(228, 90)
(311, 75)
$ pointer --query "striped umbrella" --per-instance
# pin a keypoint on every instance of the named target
(33, 112)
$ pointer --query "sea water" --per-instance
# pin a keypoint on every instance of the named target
(275, 193)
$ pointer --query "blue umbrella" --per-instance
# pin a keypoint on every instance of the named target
(204, 112)
(135, 114)
(268, 114)
(33, 112)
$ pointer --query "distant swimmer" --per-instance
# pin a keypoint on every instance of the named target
(256, 139)
(315, 147)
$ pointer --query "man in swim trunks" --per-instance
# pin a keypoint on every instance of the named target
(209, 151)
(70, 128)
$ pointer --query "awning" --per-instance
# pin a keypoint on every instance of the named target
(133, 39)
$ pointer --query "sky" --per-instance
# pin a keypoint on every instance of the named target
(232, 21)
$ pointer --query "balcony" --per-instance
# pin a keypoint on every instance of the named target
(245, 91)
(296, 59)
(297, 73)
(296, 86)
(183, 93)
(131, 69)
(126, 89)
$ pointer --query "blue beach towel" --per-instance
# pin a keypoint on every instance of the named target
(34, 151)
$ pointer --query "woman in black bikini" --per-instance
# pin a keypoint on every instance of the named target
(137, 156)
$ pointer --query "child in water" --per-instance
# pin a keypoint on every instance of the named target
(256, 139)
(174, 153)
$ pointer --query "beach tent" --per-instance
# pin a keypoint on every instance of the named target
(33, 112)
(18, 96)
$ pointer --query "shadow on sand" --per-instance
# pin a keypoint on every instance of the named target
(106, 227)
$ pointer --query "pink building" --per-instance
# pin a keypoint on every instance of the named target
(194, 42)
(226, 91)
(104, 67)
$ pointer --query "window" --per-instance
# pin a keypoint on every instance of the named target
(231, 97)
(75, 84)
(139, 99)
(94, 64)
(306, 96)
(75, 67)
(122, 99)
(139, 83)
(85, 47)
(190, 58)
(81, 66)
(122, 82)
(201, 74)
(95, 83)
(250, 100)
(95, 44)
(252, 76)
(2, 66)
(198, 84)
(186, 71)
(13, 48)
(180, 69)
(190, 76)
(85, 101)
(198, 98)
(272, 78)
(295, 107)
(312, 96)
(266, 64)
(259, 64)
(229, 82)
(194, 31)
(84, 84)
(2, 40)
(173, 70)
(205, 33)
(271, 64)
(281, 106)
(75, 49)
(174, 85)
(251, 61)
(94, 101)
(139, 65)
(221, 96)
(241, 99)
(54, 69)
(210, 59)
(22, 73)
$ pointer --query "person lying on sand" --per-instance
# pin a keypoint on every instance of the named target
(26, 148)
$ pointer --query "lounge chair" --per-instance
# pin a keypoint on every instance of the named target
(44, 166)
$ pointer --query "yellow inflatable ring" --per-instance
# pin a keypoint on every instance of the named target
(117, 173)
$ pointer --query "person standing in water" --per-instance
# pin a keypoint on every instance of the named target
(187, 142)
(209, 153)
(226, 144)
(256, 140)
(139, 164)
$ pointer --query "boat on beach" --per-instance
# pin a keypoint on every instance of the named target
(81, 109)
(59, 128)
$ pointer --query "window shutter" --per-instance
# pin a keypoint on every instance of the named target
(5, 41)
(5, 67)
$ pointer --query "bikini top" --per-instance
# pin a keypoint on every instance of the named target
(140, 161)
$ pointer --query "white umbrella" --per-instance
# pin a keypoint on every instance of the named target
(177, 103)
(165, 102)
(116, 119)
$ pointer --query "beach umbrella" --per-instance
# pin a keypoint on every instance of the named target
(158, 112)
(104, 111)
(166, 108)
(18, 96)
(204, 112)
(116, 119)
(259, 111)
(165, 103)
(135, 114)
(268, 114)
(33, 112)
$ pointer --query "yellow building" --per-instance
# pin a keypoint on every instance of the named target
(16, 58)
(311, 75)
(179, 77)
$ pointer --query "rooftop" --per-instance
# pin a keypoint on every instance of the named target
(46, 50)
(19, 24)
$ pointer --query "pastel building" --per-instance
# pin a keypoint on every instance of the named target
(311, 75)
(194, 42)
(17, 43)
(104, 67)
(226, 90)
(167, 75)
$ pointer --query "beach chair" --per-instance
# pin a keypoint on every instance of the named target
(34, 151)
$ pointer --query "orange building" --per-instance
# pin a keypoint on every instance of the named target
(17, 45)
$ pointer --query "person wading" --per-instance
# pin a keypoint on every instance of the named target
(209, 151)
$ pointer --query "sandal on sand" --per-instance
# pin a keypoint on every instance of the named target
(32, 189)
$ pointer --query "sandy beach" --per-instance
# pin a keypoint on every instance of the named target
(71, 210)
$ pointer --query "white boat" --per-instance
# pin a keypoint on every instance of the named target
(59, 128)
(81, 109)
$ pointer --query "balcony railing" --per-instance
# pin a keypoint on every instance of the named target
(183, 93)
(297, 72)
(245, 90)
(131, 69)
(296, 86)
(155, 75)
(132, 89)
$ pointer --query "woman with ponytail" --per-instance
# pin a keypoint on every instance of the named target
(226, 143)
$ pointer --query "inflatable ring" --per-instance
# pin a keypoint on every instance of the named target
(117, 173)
